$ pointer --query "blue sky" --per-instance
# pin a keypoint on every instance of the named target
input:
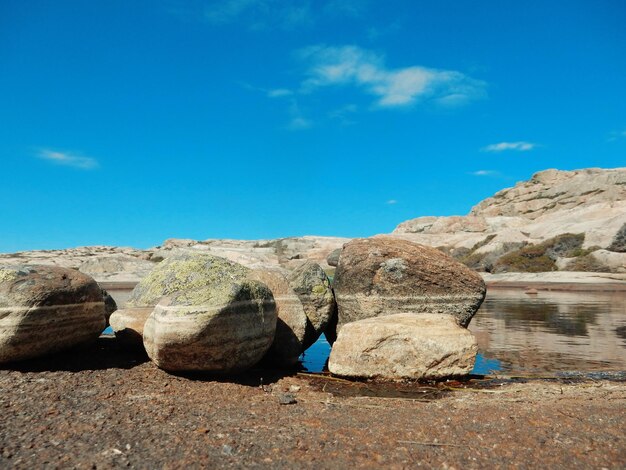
(129, 122)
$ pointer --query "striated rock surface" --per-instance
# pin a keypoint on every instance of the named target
(209, 317)
(128, 324)
(291, 324)
(312, 286)
(552, 191)
(590, 202)
(403, 346)
(44, 309)
(385, 276)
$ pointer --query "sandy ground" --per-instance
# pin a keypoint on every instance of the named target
(102, 407)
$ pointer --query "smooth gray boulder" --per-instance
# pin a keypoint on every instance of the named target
(403, 346)
(44, 309)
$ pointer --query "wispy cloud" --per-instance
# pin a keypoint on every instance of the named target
(279, 93)
(298, 121)
(504, 146)
(344, 114)
(68, 159)
(391, 202)
(402, 87)
(484, 173)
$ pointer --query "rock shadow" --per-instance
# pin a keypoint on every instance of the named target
(104, 353)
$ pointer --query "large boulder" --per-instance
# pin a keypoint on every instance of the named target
(207, 314)
(384, 276)
(223, 327)
(183, 272)
(403, 346)
(312, 286)
(47, 309)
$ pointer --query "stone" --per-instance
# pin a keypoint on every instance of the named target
(45, 309)
(333, 258)
(110, 305)
(209, 315)
(128, 324)
(287, 399)
(312, 286)
(385, 276)
(590, 201)
(116, 267)
(291, 325)
(403, 346)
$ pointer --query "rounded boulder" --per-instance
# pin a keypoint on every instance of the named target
(45, 309)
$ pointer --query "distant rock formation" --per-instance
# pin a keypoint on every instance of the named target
(590, 203)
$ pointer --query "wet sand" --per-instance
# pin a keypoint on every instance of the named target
(102, 407)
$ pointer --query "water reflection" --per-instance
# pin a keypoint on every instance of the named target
(552, 331)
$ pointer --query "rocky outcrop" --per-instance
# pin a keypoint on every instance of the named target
(209, 317)
(385, 276)
(590, 202)
(257, 253)
(403, 346)
(103, 263)
(45, 309)
(553, 191)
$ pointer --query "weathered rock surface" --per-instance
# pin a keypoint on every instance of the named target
(222, 328)
(385, 276)
(257, 253)
(110, 305)
(209, 317)
(312, 286)
(333, 258)
(117, 267)
(128, 324)
(590, 202)
(44, 309)
(103, 263)
(403, 346)
(291, 324)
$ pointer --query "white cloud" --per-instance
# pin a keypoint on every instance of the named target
(503, 146)
(67, 159)
(352, 65)
(391, 202)
(484, 173)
